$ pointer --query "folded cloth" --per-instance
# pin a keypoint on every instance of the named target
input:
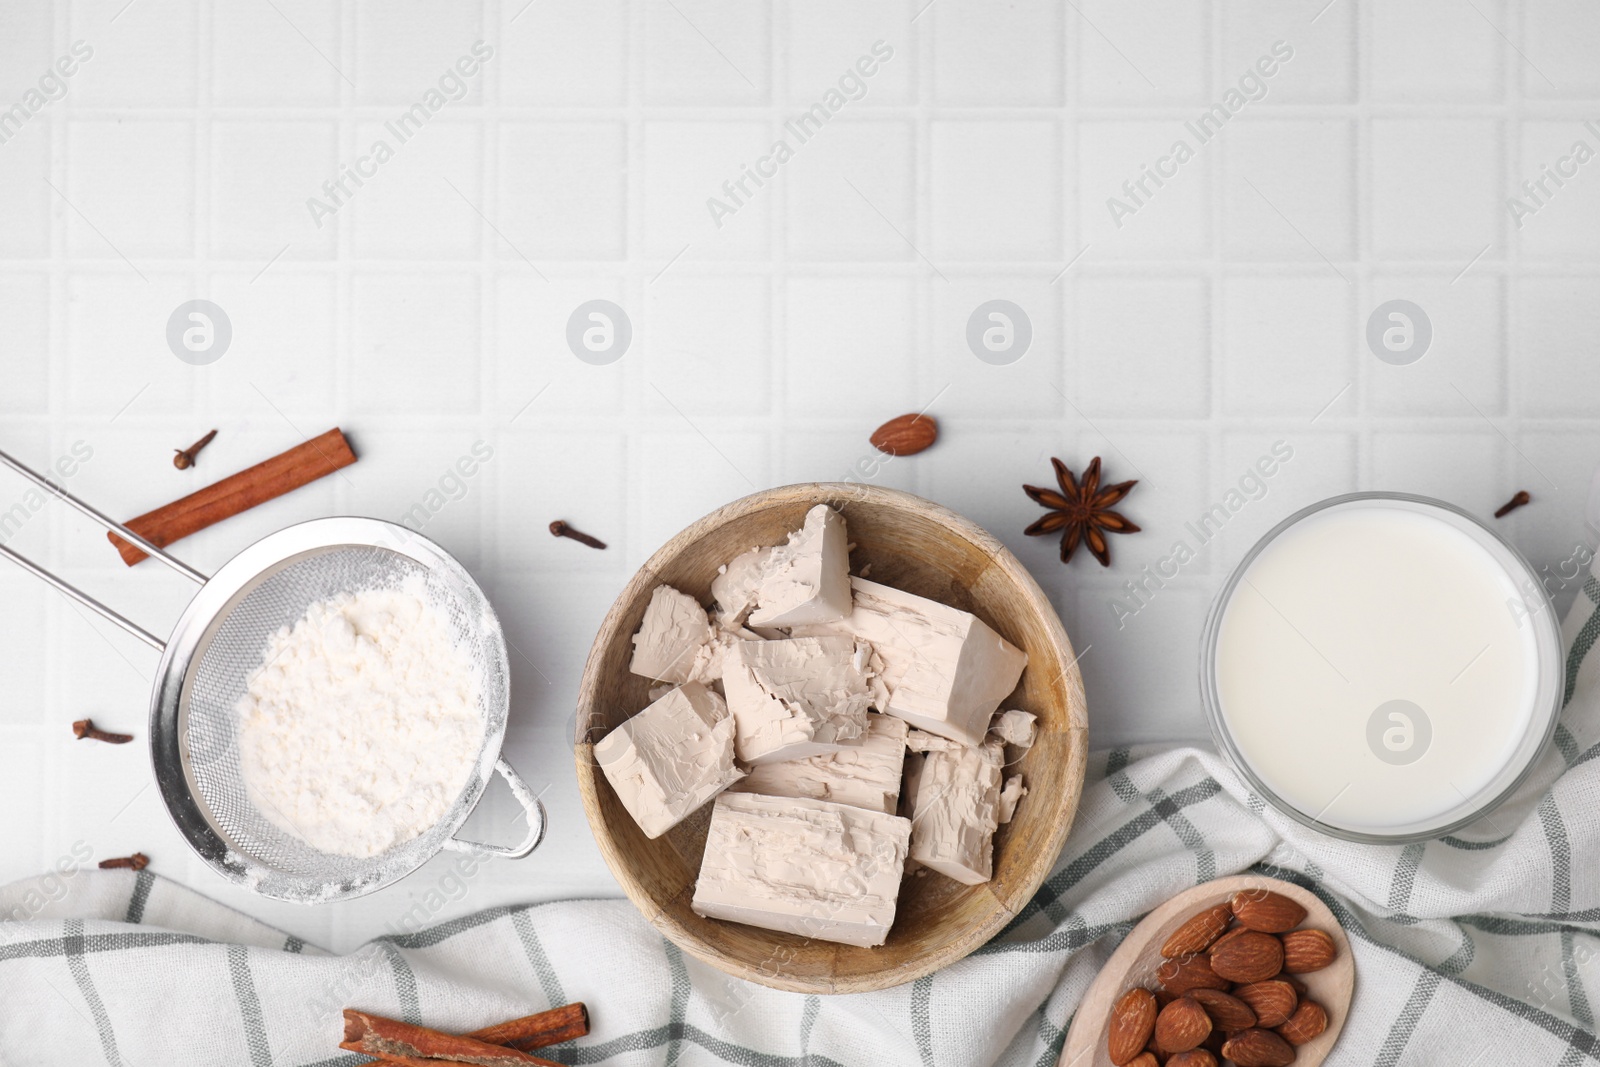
(1476, 948)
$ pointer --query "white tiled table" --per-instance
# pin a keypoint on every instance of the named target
(429, 312)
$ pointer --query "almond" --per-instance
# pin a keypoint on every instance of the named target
(1133, 1018)
(1190, 972)
(1182, 1025)
(1195, 1057)
(1198, 932)
(906, 435)
(1272, 1001)
(1227, 1012)
(1250, 957)
(1307, 1022)
(1271, 913)
(1307, 950)
(1233, 933)
(1144, 1059)
(1258, 1048)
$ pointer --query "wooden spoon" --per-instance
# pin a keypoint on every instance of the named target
(1136, 959)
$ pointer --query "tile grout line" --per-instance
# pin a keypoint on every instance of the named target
(1361, 295)
(1546, 108)
(344, 349)
(492, 28)
(1216, 282)
(1069, 365)
(633, 290)
(1514, 79)
(58, 382)
(777, 288)
(205, 201)
(921, 43)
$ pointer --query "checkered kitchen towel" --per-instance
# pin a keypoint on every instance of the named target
(1475, 949)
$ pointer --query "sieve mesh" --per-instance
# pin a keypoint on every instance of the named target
(233, 649)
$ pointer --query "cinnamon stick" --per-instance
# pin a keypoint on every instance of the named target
(566, 1023)
(300, 466)
(418, 1046)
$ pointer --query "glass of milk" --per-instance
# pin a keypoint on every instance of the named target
(1382, 667)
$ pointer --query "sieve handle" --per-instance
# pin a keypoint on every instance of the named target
(104, 520)
(84, 598)
(536, 821)
(110, 524)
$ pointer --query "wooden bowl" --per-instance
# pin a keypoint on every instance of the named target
(911, 544)
(1136, 959)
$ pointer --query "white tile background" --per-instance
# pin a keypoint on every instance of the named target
(430, 312)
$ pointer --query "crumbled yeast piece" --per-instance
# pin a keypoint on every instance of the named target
(922, 741)
(797, 697)
(670, 758)
(1011, 795)
(677, 642)
(710, 659)
(945, 670)
(953, 798)
(673, 630)
(1016, 728)
(736, 585)
(864, 774)
(806, 580)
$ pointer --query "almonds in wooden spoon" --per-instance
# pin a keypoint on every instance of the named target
(1197, 934)
(1227, 1012)
(1266, 911)
(1250, 957)
(1227, 989)
(1308, 1020)
(1258, 1048)
(1272, 1001)
(1307, 950)
(1133, 1018)
(1182, 1025)
(1189, 972)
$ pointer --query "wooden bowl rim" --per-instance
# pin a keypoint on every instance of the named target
(648, 576)
(1085, 1045)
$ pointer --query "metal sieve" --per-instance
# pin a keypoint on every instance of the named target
(218, 643)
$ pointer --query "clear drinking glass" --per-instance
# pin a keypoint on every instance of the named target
(1536, 611)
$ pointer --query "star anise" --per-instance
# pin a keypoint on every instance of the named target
(1081, 511)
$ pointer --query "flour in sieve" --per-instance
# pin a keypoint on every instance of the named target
(362, 726)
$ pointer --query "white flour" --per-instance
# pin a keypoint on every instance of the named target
(362, 726)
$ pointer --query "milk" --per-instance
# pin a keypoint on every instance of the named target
(1378, 669)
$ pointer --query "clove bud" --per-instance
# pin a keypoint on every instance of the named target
(1513, 504)
(561, 529)
(85, 728)
(138, 862)
(186, 456)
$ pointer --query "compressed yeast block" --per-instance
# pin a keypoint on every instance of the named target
(946, 671)
(863, 774)
(806, 579)
(953, 799)
(805, 867)
(674, 629)
(797, 697)
(670, 758)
